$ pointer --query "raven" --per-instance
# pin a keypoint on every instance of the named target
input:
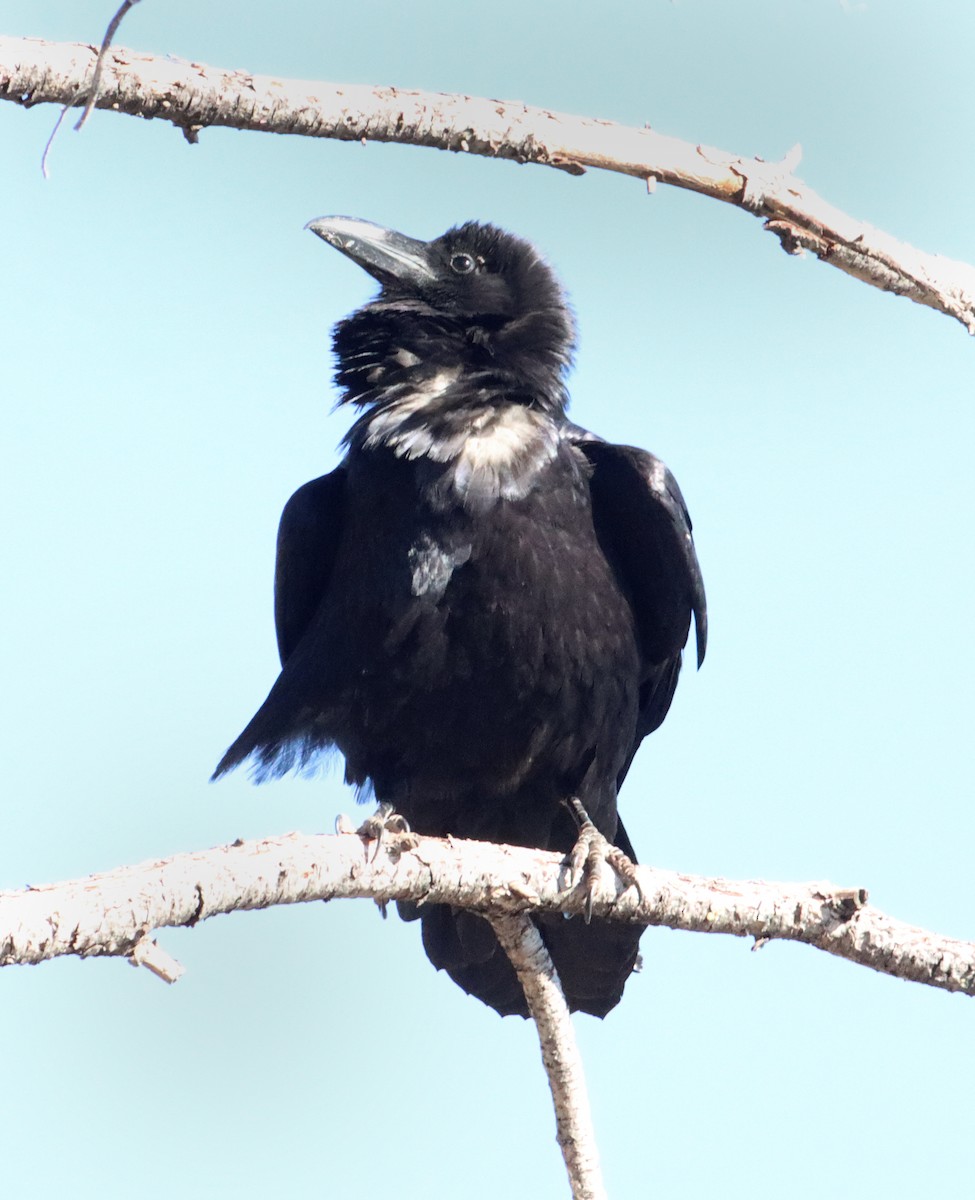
(483, 607)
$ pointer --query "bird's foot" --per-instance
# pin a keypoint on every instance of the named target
(590, 850)
(388, 829)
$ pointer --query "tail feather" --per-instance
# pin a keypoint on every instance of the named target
(593, 961)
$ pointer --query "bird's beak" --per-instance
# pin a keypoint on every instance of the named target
(384, 253)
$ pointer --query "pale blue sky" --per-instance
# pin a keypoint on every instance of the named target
(166, 385)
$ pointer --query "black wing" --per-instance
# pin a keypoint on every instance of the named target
(642, 522)
(308, 538)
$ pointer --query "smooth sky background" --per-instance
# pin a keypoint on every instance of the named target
(166, 385)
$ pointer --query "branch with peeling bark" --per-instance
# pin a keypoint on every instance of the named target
(111, 914)
(523, 945)
(192, 96)
(115, 914)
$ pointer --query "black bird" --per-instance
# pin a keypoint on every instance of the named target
(484, 606)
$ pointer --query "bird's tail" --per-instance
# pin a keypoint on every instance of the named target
(593, 961)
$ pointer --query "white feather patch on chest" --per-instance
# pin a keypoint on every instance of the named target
(495, 438)
(502, 452)
(492, 450)
(391, 424)
(432, 566)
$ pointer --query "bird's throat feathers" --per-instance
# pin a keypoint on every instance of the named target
(489, 450)
(492, 419)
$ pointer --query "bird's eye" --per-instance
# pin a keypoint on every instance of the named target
(462, 264)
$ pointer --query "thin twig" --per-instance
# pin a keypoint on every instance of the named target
(96, 78)
(93, 89)
(50, 141)
(149, 954)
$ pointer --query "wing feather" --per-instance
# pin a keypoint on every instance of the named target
(308, 537)
(643, 524)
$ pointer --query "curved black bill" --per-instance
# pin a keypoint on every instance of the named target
(384, 253)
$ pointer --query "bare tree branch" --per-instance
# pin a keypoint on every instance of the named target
(114, 914)
(111, 913)
(523, 944)
(193, 96)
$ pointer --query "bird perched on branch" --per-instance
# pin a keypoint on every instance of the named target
(483, 607)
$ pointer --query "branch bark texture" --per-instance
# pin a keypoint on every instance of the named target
(111, 914)
(521, 941)
(194, 96)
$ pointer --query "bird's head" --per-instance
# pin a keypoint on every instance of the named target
(476, 301)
